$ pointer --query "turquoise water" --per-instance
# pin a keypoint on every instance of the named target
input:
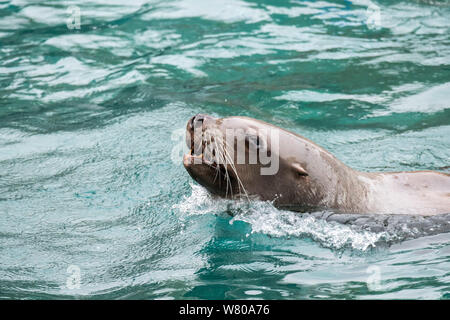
(94, 200)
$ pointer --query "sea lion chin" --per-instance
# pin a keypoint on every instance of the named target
(237, 157)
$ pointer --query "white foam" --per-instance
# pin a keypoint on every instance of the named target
(266, 219)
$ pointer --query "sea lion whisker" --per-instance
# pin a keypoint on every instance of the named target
(233, 167)
(217, 159)
(221, 159)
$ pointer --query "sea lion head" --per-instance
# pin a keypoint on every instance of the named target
(243, 157)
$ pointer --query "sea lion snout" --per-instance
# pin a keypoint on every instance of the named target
(197, 120)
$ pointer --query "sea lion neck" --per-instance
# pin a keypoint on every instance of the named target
(330, 183)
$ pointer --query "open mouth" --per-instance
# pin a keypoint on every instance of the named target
(195, 149)
(206, 163)
(196, 155)
(197, 146)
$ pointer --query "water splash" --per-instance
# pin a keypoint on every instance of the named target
(264, 218)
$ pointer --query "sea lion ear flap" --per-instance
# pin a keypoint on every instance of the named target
(299, 169)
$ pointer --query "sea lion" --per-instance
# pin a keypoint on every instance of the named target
(300, 175)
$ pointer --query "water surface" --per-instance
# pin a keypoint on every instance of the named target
(91, 124)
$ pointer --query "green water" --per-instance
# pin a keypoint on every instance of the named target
(90, 121)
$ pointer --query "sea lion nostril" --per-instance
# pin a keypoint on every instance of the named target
(198, 119)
